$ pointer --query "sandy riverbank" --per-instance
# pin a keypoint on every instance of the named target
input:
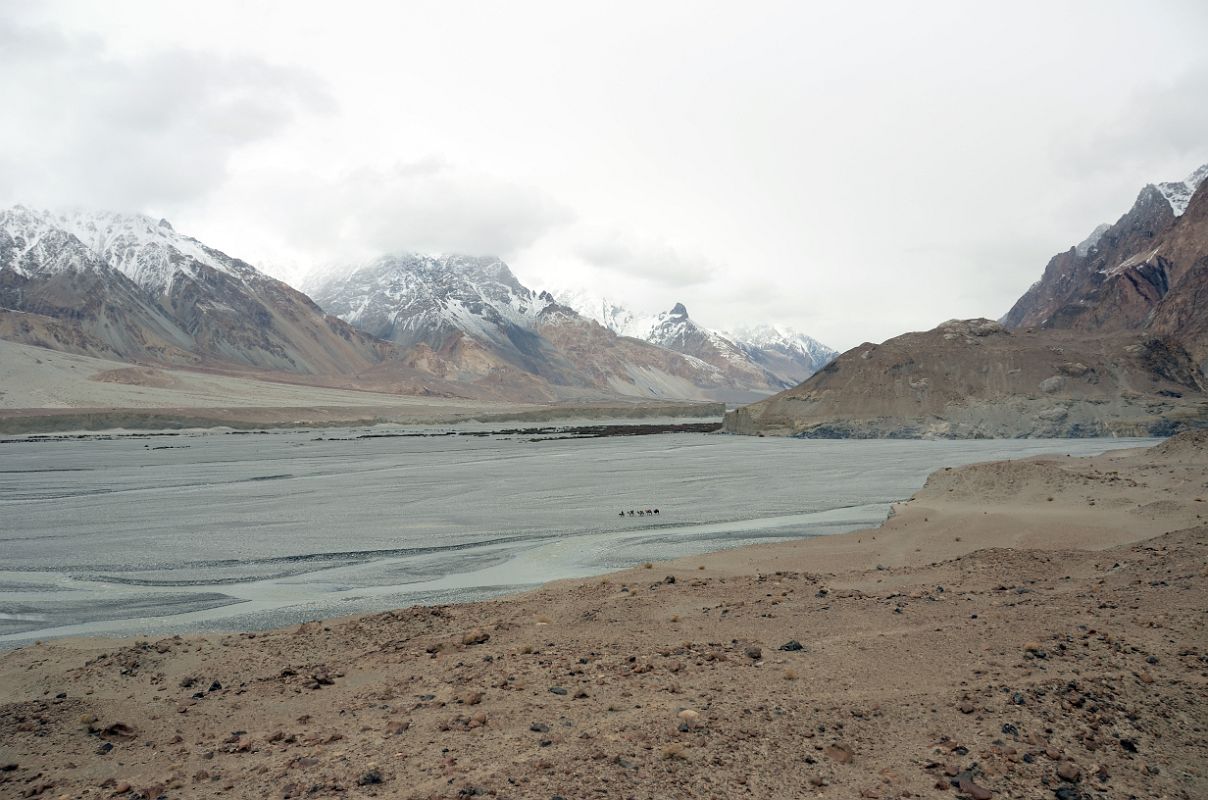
(1019, 629)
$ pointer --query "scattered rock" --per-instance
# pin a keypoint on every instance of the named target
(754, 653)
(119, 730)
(557, 690)
(838, 753)
(476, 636)
(976, 791)
(370, 778)
(1069, 771)
(791, 646)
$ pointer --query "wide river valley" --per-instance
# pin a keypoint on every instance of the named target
(151, 535)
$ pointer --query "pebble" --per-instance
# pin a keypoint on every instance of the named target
(557, 690)
(966, 707)
(754, 653)
(539, 727)
(791, 646)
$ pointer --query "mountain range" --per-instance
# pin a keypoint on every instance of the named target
(1112, 340)
(130, 288)
(760, 355)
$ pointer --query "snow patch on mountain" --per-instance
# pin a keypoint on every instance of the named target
(611, 314)
(1178, 193)
(1088, 244)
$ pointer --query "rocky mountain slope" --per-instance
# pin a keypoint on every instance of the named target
(1113, 340)
(1148, 271)
(131, 288)
(466, 318)
(759, 356)
(975, 378)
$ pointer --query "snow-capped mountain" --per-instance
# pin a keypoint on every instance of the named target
(409, 298)
(469, 317)
(762, 354)
(130, 287)
(783, 351)
(1178, 193)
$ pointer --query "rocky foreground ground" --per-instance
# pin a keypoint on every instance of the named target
(1018, 630)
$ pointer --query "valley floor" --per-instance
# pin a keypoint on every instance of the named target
(45, 390)
(1022, 629)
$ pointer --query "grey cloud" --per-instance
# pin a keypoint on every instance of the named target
(652, 261)
(1162, 123)
(435, 206)
(84, 126)
(428, 205)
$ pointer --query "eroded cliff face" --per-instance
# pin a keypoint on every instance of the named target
(975, 378)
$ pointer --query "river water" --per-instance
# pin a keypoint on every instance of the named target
(148, 535)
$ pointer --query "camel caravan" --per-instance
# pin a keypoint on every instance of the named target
(650, 512)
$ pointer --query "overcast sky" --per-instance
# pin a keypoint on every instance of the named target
(854, 170)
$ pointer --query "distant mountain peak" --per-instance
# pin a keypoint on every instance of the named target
(783, 357)
(1178, 193)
